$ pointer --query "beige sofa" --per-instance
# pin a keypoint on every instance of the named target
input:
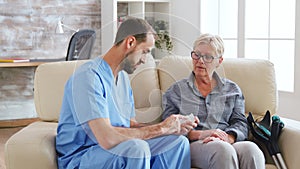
(34, 146)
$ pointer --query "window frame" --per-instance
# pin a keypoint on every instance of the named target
(241, 37)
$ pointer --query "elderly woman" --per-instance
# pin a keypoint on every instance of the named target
(219, 139)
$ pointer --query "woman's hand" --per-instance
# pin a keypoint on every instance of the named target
(217, 133)
(211, 135)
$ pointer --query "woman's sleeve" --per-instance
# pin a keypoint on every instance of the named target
(171, 100)
(238, 121)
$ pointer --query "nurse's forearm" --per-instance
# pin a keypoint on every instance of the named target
(144, 133)
(106, 135)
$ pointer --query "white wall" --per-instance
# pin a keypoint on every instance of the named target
(184, 25)
(185, 21)
(289, 103)
(108, 24)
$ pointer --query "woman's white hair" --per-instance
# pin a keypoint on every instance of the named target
(215, 41)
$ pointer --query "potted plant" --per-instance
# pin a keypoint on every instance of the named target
(163, 41)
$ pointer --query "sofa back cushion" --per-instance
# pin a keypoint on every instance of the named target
(50, 79)
(146, 92)
(49, 83)
(255, 77)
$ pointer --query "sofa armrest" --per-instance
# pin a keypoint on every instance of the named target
(33, 147)
(289, 142)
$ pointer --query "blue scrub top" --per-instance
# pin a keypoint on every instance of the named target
(90, 93)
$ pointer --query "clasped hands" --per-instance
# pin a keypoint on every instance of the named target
(211, 135)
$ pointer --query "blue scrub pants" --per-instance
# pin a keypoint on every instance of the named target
(166, 152)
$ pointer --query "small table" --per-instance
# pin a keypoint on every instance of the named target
(21, 64)
(24, 121)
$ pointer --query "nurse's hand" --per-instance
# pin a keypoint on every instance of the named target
(177, 124)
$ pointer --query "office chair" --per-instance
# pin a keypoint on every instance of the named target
(81, 45)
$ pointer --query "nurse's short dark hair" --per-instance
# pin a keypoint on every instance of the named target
(139, 28)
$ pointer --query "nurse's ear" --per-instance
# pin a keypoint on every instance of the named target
(130, 42)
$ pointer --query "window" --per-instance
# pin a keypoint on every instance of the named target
(263, 29)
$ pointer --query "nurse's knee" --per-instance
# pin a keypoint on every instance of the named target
(183, 141)
(137, 148)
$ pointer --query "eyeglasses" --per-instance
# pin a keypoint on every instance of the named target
(206, 59)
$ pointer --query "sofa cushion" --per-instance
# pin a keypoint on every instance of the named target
(49, 83)
(257, 81)
(34, 145)
(146, 92)
(256, 78)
